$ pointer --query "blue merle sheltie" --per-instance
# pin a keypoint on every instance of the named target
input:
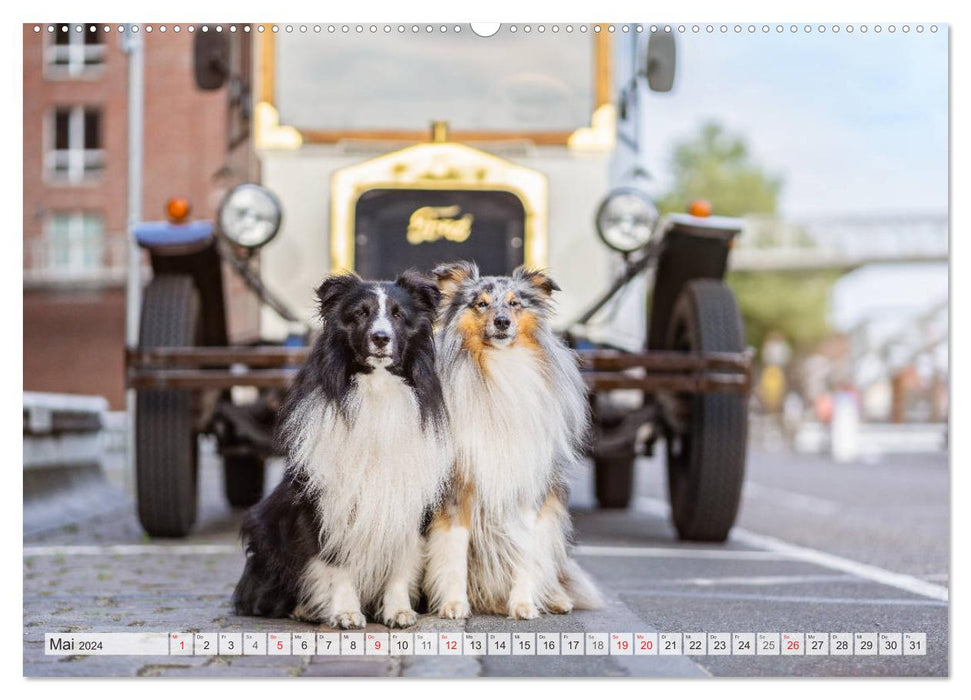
(364, 431)
(519, 417)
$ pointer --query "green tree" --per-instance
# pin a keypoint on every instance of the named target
(716, 165)
(795, 305)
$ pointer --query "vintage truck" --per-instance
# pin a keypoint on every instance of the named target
(514, 188)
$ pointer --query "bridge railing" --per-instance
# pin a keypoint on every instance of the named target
(770, 243)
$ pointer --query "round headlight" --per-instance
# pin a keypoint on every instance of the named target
(626, 219)
(249, 216)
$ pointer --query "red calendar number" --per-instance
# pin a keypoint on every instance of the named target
(646, 644)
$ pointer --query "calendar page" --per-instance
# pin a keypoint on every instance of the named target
(517, 349)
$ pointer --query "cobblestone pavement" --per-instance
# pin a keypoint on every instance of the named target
(104, 575)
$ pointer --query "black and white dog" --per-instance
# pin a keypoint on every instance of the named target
(518, 413)
(364, 429)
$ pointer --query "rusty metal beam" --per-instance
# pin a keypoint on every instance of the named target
(275, 367)
(281, 378)
(271, 356)
(613, 360)
(262, 356)
(209, 378)
(679, 383)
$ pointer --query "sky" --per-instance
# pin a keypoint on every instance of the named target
(854, 123)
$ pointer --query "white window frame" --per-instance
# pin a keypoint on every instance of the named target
(77, 53)
(81, 163)
(78, 263)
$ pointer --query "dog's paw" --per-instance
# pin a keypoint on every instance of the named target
(523, 611)
(304, 615)
(401, 618)
(455, 610)
(351, 620)
(560, 605)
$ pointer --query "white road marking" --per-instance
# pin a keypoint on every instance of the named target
(770, 598)
(203, 549)
(904, 582)
(759, 580)
(790, 499)
(591, 550)
(98, 550)
(877, 574)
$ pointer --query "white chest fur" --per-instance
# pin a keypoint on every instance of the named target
(374, 472)
(506, 427)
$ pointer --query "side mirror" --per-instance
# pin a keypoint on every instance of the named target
(210, 59)
(660, 64)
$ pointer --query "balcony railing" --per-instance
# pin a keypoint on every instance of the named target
(44, 266)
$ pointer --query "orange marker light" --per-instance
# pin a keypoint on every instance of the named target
(177, 209)
(699, 207)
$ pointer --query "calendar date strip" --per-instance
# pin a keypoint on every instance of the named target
(487, 644)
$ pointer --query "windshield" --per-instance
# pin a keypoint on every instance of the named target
(401, 81)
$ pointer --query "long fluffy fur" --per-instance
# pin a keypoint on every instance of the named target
(368, 451)
(372, 475)
(519, 418)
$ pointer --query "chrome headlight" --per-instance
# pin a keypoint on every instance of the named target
(250, 216)
(626, 219)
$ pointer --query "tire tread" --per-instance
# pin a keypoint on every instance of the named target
(166, 449)
(717, 462)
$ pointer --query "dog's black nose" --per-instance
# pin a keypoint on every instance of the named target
(502, 322)
(380, 338)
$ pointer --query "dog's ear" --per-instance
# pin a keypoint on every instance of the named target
(537, 278)
(332, 289)
(421, 288)
(450, 276)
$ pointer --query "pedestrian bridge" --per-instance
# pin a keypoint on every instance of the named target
(839, 243)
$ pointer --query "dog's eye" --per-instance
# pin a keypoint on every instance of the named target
(482, 305)
(396, 313)
(514, 302)
(362, 312)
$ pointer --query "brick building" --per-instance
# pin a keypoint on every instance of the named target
(75, 188)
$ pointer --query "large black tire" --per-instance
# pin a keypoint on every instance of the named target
(614, 481)
(244, 477)
(166, 444)
(706, 463)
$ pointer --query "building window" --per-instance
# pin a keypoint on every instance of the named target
(76, 151)
(74, 244)
(72, 53)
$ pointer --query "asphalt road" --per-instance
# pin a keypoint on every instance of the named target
(819, 547)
